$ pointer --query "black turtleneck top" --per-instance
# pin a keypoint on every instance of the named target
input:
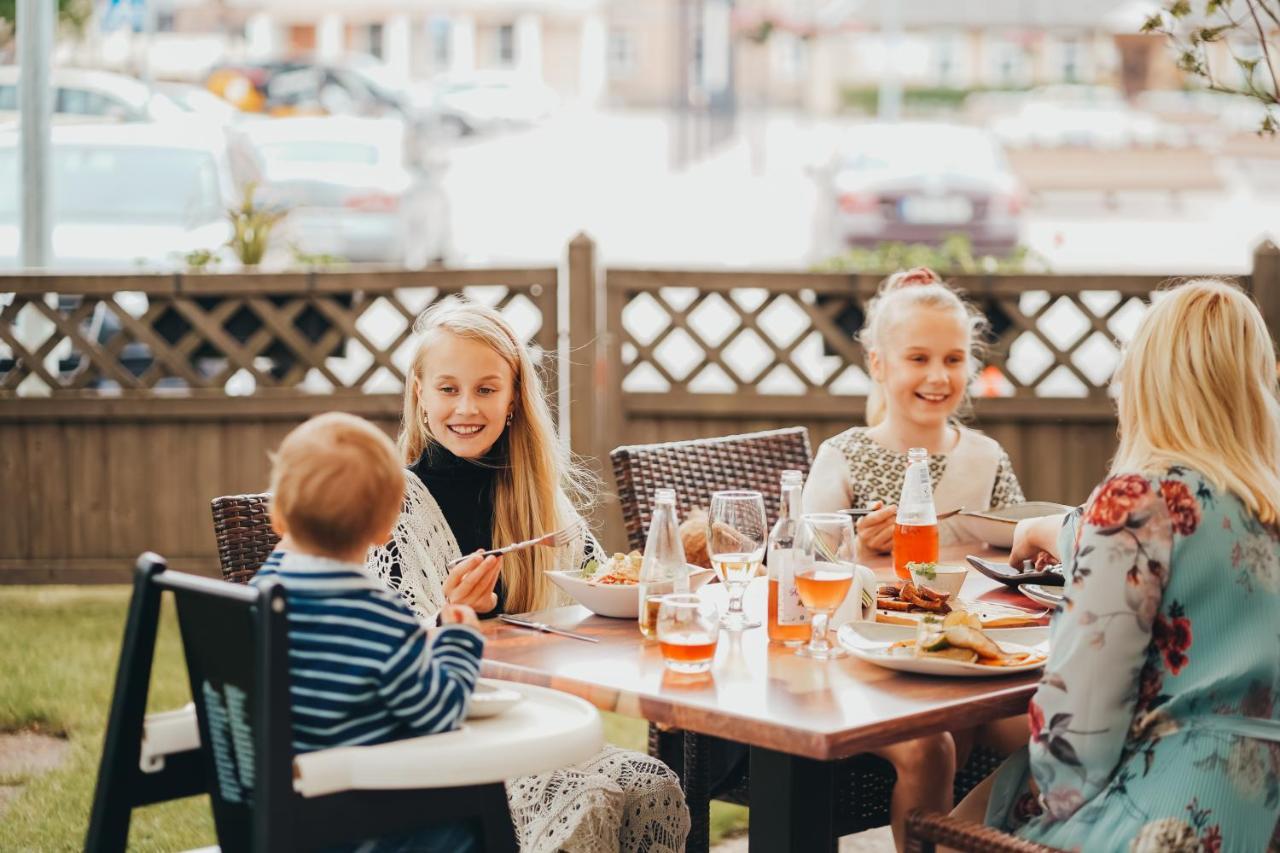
(464, 490)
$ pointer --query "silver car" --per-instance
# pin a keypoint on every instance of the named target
(918, 182)
(349, 190)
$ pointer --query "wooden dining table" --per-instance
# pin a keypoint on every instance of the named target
(796, 715)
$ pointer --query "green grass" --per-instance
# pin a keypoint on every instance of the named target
(59, 647)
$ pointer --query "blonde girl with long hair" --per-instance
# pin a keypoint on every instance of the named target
(1157, 724)
(920, 338)
(485, 469)
(921, 341)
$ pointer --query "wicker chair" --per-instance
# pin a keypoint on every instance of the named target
(695, 469)
(242, 528)
(926, 831)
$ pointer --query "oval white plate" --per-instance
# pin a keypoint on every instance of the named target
(621, 601)
(871, 634)
(879, 655)
(1040, 594)
(491, 698)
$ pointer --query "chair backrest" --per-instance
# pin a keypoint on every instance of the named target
(242, 528)
(235, 640)
(698, 467)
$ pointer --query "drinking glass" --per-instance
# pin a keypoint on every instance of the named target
(825, 564)
(736, 534)
(688, 630)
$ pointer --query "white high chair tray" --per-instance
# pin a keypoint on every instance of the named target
(546, 729)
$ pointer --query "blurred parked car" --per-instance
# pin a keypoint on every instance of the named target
(919, 182)
(349, 191)
(1081, 116)
(92, 96)
(123, 196)
(484, 101)
(198, 102)
(290, 88)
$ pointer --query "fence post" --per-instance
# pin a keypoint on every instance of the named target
(583, 350)
(1265, 285)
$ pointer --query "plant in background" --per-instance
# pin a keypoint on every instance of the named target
(955, 255)
(201, 260)
(1230, 45)
(252, 225)
(314, 260)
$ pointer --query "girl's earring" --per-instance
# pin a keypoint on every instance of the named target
(509, 416)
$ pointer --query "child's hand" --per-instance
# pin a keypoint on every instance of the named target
(875, 530)
(471, 583)
(459, 614)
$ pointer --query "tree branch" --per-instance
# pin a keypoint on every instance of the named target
(1266, 53)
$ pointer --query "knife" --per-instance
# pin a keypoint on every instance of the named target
(545, 628)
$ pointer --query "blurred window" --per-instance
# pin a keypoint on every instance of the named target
(128, 184)
(787, 55)
(83, 102)
(374, 40)
(8, 97)
(621, 53)
(506, 44)
(1070, 61)
(440, 30)
(319, 151)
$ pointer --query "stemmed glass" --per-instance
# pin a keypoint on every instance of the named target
(825, 558)
(736, 534)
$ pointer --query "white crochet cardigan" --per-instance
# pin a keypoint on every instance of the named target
(617, 800)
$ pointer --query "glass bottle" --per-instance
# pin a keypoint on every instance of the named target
(788, 621)
(663, 569)
(915, 533)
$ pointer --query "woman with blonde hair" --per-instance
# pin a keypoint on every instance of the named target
(486, 469)
(1156, 725)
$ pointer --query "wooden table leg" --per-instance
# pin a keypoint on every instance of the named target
(792, 803)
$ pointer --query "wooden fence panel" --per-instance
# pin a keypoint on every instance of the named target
(140, 427)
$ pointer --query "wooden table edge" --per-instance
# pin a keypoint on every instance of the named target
(799, 742)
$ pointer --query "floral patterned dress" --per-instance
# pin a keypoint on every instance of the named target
(1156, 727)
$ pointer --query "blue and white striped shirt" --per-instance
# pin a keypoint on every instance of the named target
(361, 670)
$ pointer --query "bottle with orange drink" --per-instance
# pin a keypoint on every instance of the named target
(788, 621)
(915, 532)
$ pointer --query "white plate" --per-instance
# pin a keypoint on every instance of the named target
(995, 526)
(616, 600)
(878, 654)
(1042, 594)
(491, 698)
(987, 611)
(878, 634)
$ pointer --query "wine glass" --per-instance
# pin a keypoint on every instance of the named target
(825, 552)
(688, 628)
(736, 534)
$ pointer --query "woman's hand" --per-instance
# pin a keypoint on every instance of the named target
(471, 582)
(875, 530)
(1034, 535)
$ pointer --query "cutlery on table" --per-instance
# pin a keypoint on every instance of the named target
(545, 628)
(556, 539)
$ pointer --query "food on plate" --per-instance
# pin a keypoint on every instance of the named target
(618, 570)
(907, 597)
(959, 637)
(693, 535)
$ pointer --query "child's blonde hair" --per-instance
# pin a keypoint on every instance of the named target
(530, 490)
(905, 290)
(1198, 388)
(337, 483)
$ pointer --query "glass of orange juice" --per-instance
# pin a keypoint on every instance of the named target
(688, 632)
(825, 564)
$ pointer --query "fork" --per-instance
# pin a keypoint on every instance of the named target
(556, 539)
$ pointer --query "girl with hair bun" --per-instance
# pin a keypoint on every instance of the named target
(920, 339)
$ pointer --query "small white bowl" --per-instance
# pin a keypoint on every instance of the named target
(995, 526)
(946, 579)
(616, 600)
